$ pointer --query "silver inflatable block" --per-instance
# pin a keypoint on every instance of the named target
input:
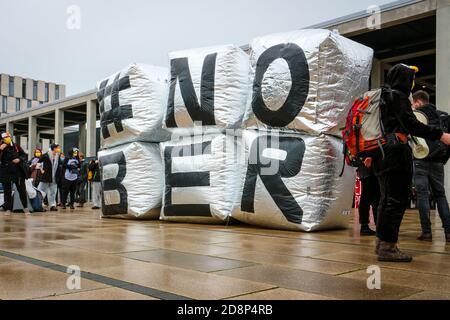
(306, 80)
(132, 104)
(292, 182)
(200, 178)
(209, 88)
(132, 181)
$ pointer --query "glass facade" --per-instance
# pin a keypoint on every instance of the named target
(46, 92)
(4, 104)
(24, 88)
(17, 104)
(29, 104)
(35, 90)
(57, 92)
(11, 86)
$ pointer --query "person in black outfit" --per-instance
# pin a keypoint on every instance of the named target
(370, 196)
(82, 181)
(13, 170)
(429, 173)
(394, 168)
(71, 174)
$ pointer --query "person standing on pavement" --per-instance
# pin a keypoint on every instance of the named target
(429, 173)
(370, 196)
(71, 174)
(394, 167)
(13, 170)
(35, 167)
(51, 167)
(96, 184)
(82, 182)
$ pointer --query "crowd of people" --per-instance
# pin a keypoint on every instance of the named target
(388, 178)
(55, 180)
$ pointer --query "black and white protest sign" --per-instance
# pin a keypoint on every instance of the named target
(292, 182)
(305, 80)
(200, 178)
(132, 104)
(208, 86)
(132, 180)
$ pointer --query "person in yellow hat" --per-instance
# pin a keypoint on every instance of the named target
(13, 169)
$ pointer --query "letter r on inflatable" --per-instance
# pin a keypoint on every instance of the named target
(115, 195)
(289, 167)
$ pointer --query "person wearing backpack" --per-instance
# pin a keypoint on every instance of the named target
(429, 172)
(51, 167)
(13, 170)
(71, 174)
(394, 165)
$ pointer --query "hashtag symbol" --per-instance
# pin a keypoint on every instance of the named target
(113, 112)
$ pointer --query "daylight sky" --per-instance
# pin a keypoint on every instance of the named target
(36, 42)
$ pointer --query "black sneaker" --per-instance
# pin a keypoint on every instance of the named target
(72, 207)
(366, 231)
(95, 208)
(63, 207)
(53, 209)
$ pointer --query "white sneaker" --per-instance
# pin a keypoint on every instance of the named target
(7, 213)
(27, 212)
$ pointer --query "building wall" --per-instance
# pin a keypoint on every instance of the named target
(27, 96)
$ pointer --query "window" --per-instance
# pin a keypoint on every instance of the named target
(11, 86)
(17, 104)
(28, 104)
(57, 92)
(35, 90)
(4, 104)
(24, 88)
(46, 92)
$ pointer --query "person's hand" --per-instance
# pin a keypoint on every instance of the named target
(368, 162)
(3, 146)
(446, 138)
(16, 161)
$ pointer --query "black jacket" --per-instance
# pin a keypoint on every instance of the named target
(48, 169)
(10, 171)
(94, 167)
(397, 117)
(438, 150)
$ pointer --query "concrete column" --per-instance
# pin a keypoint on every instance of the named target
(82, 137)
(443, 67)
(376, 78)
(10, 128)
(91, 118)
(32, 135)
(59, 127)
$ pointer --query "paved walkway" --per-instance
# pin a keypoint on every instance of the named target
(155, 260)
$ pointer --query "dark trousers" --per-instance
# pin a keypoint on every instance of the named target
(370, 197)
(430, 175)
(395, 187)
(68, 188)
(21, 188)
(81, 192)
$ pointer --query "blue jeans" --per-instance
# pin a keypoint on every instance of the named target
(430, 176)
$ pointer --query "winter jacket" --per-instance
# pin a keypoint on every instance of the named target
(94, 167)
(47, 164)
(10, 171)
(438, 150)
(397, 117)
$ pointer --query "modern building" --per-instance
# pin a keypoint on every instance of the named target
(19, 93)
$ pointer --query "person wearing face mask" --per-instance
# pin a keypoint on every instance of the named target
(13, 171)
(51, 170)
(71, 173)
(394, 166)
(36, 167)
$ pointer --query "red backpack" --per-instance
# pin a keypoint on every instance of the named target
(364, 134)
